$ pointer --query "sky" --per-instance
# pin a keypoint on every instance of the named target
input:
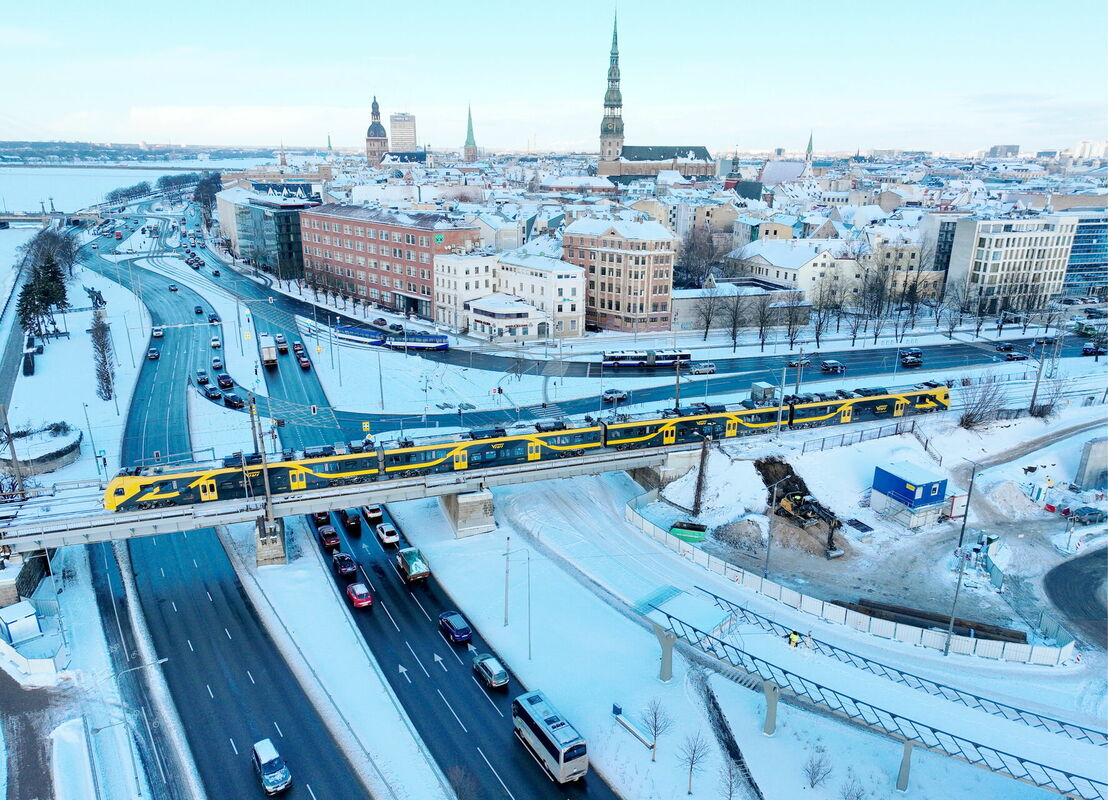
(942, 75)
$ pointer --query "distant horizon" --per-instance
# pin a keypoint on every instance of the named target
(859, 76)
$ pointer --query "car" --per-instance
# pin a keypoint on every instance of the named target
(455, 627)
(1045, 340)
(213, 318)
(1093, 350)
(297, 348)
(380, 322)
(274, 775)
(172, 287)
(202, 377)
(153, 354)
(344, 564)
(387, 534)
(224, 380)
(1004, 347)
(1015, 356)
(95, 246)
(328, 537)
(217, 363)
(800, 362)
(488, 668)
(198, 310)
(232, 400)
(216, 273)
(832, 366)
(321, 517)
(216, 344)
(194, 265)
(212, 393)
(372, 513)
(359, 596)
(397, 327)
(703, 368)
(352, 521)
(157, 331)
(614, 395)
(282, 343)
(911, 361)
(1087, 515)
(913, 352)
(304, 362)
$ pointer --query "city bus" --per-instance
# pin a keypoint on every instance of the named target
(559, 749)
(645, 358)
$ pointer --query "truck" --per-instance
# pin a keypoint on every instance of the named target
(806, 511)
(411, 565)
(268, 350)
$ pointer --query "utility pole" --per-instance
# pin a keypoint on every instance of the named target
(507, 561)
(799, 370)
(781, 402)
(961, 560)
(258, 435)
(677, 385)
(15, 459)
(1038, 377)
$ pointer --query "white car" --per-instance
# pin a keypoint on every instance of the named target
(387, 534)
(614, 395)
(216, 344)
(157, 332)
(704, 368)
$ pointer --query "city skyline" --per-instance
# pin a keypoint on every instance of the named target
(837, 72)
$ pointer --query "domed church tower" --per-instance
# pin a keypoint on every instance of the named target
(376, 140)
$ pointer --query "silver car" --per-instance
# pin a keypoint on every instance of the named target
(489, 669)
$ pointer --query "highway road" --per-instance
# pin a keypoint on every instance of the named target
(1077, 588)
(467, 727)
(229, 681)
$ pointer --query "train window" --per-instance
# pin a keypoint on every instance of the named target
(120, 491)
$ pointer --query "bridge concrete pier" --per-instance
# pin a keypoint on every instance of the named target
(677, 463)
(269, 542)
(470, 512)
(9, 579)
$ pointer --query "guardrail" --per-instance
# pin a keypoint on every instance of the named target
(863, 435)
(989, 706)
(1043, 655)
(889, 722)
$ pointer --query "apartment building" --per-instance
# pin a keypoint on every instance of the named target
(629, 271)
(1008, 262)
(459, 279)
(382, 256)
(553, 286)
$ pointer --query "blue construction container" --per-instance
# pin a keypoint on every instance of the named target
(909, 484)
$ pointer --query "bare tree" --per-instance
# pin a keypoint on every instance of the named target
(102, 356)
(981, 402)
(852, 788)
(708, 308)
(735, 311)
(817, 769)
(763, 317)
(693, 753)
(657, 722)
(730, 779)
(823, 305)
(795, 317)
(854, 325)
(698, 253)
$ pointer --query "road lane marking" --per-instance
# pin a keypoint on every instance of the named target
(115, 610)
(386, 608)
(497, 774)
(439, 661)
(174, 606)
(450, 647)
(452, 710)
(190, 645)
(251, 677)
(278, 727)
(486, 694)
(233, 747)
(209, 594)
(162, 570)
(210, 691)
(410, 650)
(195, 564)
(153, 744)
(421, 608)
(308, 786)
(227, 632)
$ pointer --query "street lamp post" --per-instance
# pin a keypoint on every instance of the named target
(507, 553)
(773, 512)
(961, 557)
(132, 669)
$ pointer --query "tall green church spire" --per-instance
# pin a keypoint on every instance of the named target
(808, 152)
(470, 141)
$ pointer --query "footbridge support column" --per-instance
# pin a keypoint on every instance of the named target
(269, 542)
(678, 462)
(470, 512)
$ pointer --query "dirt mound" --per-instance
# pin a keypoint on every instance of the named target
(747, 535)
(812, 541)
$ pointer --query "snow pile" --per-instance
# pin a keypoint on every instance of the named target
(1008, 497)
(731, 489)
(70, 763)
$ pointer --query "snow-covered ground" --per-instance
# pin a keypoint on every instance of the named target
(11, 239)
(71, 769)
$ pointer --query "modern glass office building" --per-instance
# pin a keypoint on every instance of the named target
(269, 234)
(1087, 268)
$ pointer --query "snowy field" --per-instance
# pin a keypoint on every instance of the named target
(11, 239)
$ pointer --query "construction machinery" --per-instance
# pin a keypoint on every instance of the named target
(806, 511)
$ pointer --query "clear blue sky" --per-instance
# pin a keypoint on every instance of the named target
(942, 74)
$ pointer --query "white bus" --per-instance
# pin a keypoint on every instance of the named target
(553, 742)
(644, 358)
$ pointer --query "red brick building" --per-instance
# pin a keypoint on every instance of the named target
(384, 257)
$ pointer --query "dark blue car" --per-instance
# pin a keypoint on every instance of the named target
(455, 627)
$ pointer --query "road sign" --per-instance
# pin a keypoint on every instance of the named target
(246, 335)
(365, 427)
(318, 349)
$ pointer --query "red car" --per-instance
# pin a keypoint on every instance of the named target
(328, 537)
(359, 595)
(304, 362)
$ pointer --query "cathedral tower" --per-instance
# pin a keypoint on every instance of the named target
(376, 140)
(469, 150)
(611, 127)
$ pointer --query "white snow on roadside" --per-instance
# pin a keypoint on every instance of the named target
(11, 239)
(70, 765)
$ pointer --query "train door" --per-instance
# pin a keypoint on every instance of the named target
(732, 428)
(846, 413)
(533, 451)
(208, 491)
(298, 479)
(669, 434)
(898, 409)
(461, 459)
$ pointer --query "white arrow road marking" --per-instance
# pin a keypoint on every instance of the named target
(404, 672)
(439, 661)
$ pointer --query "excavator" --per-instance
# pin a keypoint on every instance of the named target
(806, 511)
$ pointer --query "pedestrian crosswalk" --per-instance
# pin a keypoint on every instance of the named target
(547, 411)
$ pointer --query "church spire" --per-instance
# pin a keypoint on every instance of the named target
(469, 151)
(611, 126)
(808, 152)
